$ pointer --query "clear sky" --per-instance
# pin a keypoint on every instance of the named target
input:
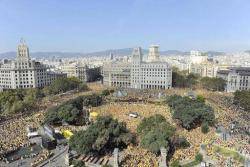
(93, 25)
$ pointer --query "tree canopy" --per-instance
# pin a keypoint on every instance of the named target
(61, 85)
(191, 113)
(214, 84)
(19, 100)
(101, 137)
(183, 80)
(242, 98)
(72, 111)
(155, 132)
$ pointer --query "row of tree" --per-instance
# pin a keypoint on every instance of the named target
(25, 100)
(191, 113)
(106, 133)
(214, 84)
(20, 100)
(72, 111)
(62, 85)
(182, 79)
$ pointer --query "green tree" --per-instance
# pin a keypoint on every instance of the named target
(190, 113)
(155, 132)
(204, 127)
(242, 99)
(214, 84)
(102, 137)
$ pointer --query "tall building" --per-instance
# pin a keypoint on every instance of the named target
(237, 78)
(139, 74)
(153, 54)
(24, 72)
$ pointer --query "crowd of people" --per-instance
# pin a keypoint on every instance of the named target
(43, 155)
(138, 157)
(121, 111)
(13, 132)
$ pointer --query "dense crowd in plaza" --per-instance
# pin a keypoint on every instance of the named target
(13, 132)
(138, 157)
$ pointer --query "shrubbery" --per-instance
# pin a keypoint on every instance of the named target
(190, 113)
(155, 132)
(101, 137)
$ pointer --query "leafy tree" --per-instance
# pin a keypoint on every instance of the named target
(242, 98)
(191, 113)
(155, 132)
(183, 79)
(101, 137)
(204, 128)
(215, 84)
(61, 85)
(72, 111)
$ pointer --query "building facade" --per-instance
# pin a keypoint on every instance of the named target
(205, 69)
(237, 78)
(139, 74)
(75, 70)
(24, 72)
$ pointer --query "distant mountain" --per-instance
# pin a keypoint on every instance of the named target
(105, 53)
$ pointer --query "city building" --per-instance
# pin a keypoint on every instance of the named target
(203, 66)
(24, 72)
(75, 69)
(237, 78)
(204, 69)
(137, 73)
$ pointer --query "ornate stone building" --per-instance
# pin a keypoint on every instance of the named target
(139, 74)
(24, 72)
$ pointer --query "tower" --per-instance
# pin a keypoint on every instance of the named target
(136, 67)
(111, 56)
(23, 51)
(137, 55)
(153, 54)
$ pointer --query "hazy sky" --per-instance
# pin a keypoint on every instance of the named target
(92, 25)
